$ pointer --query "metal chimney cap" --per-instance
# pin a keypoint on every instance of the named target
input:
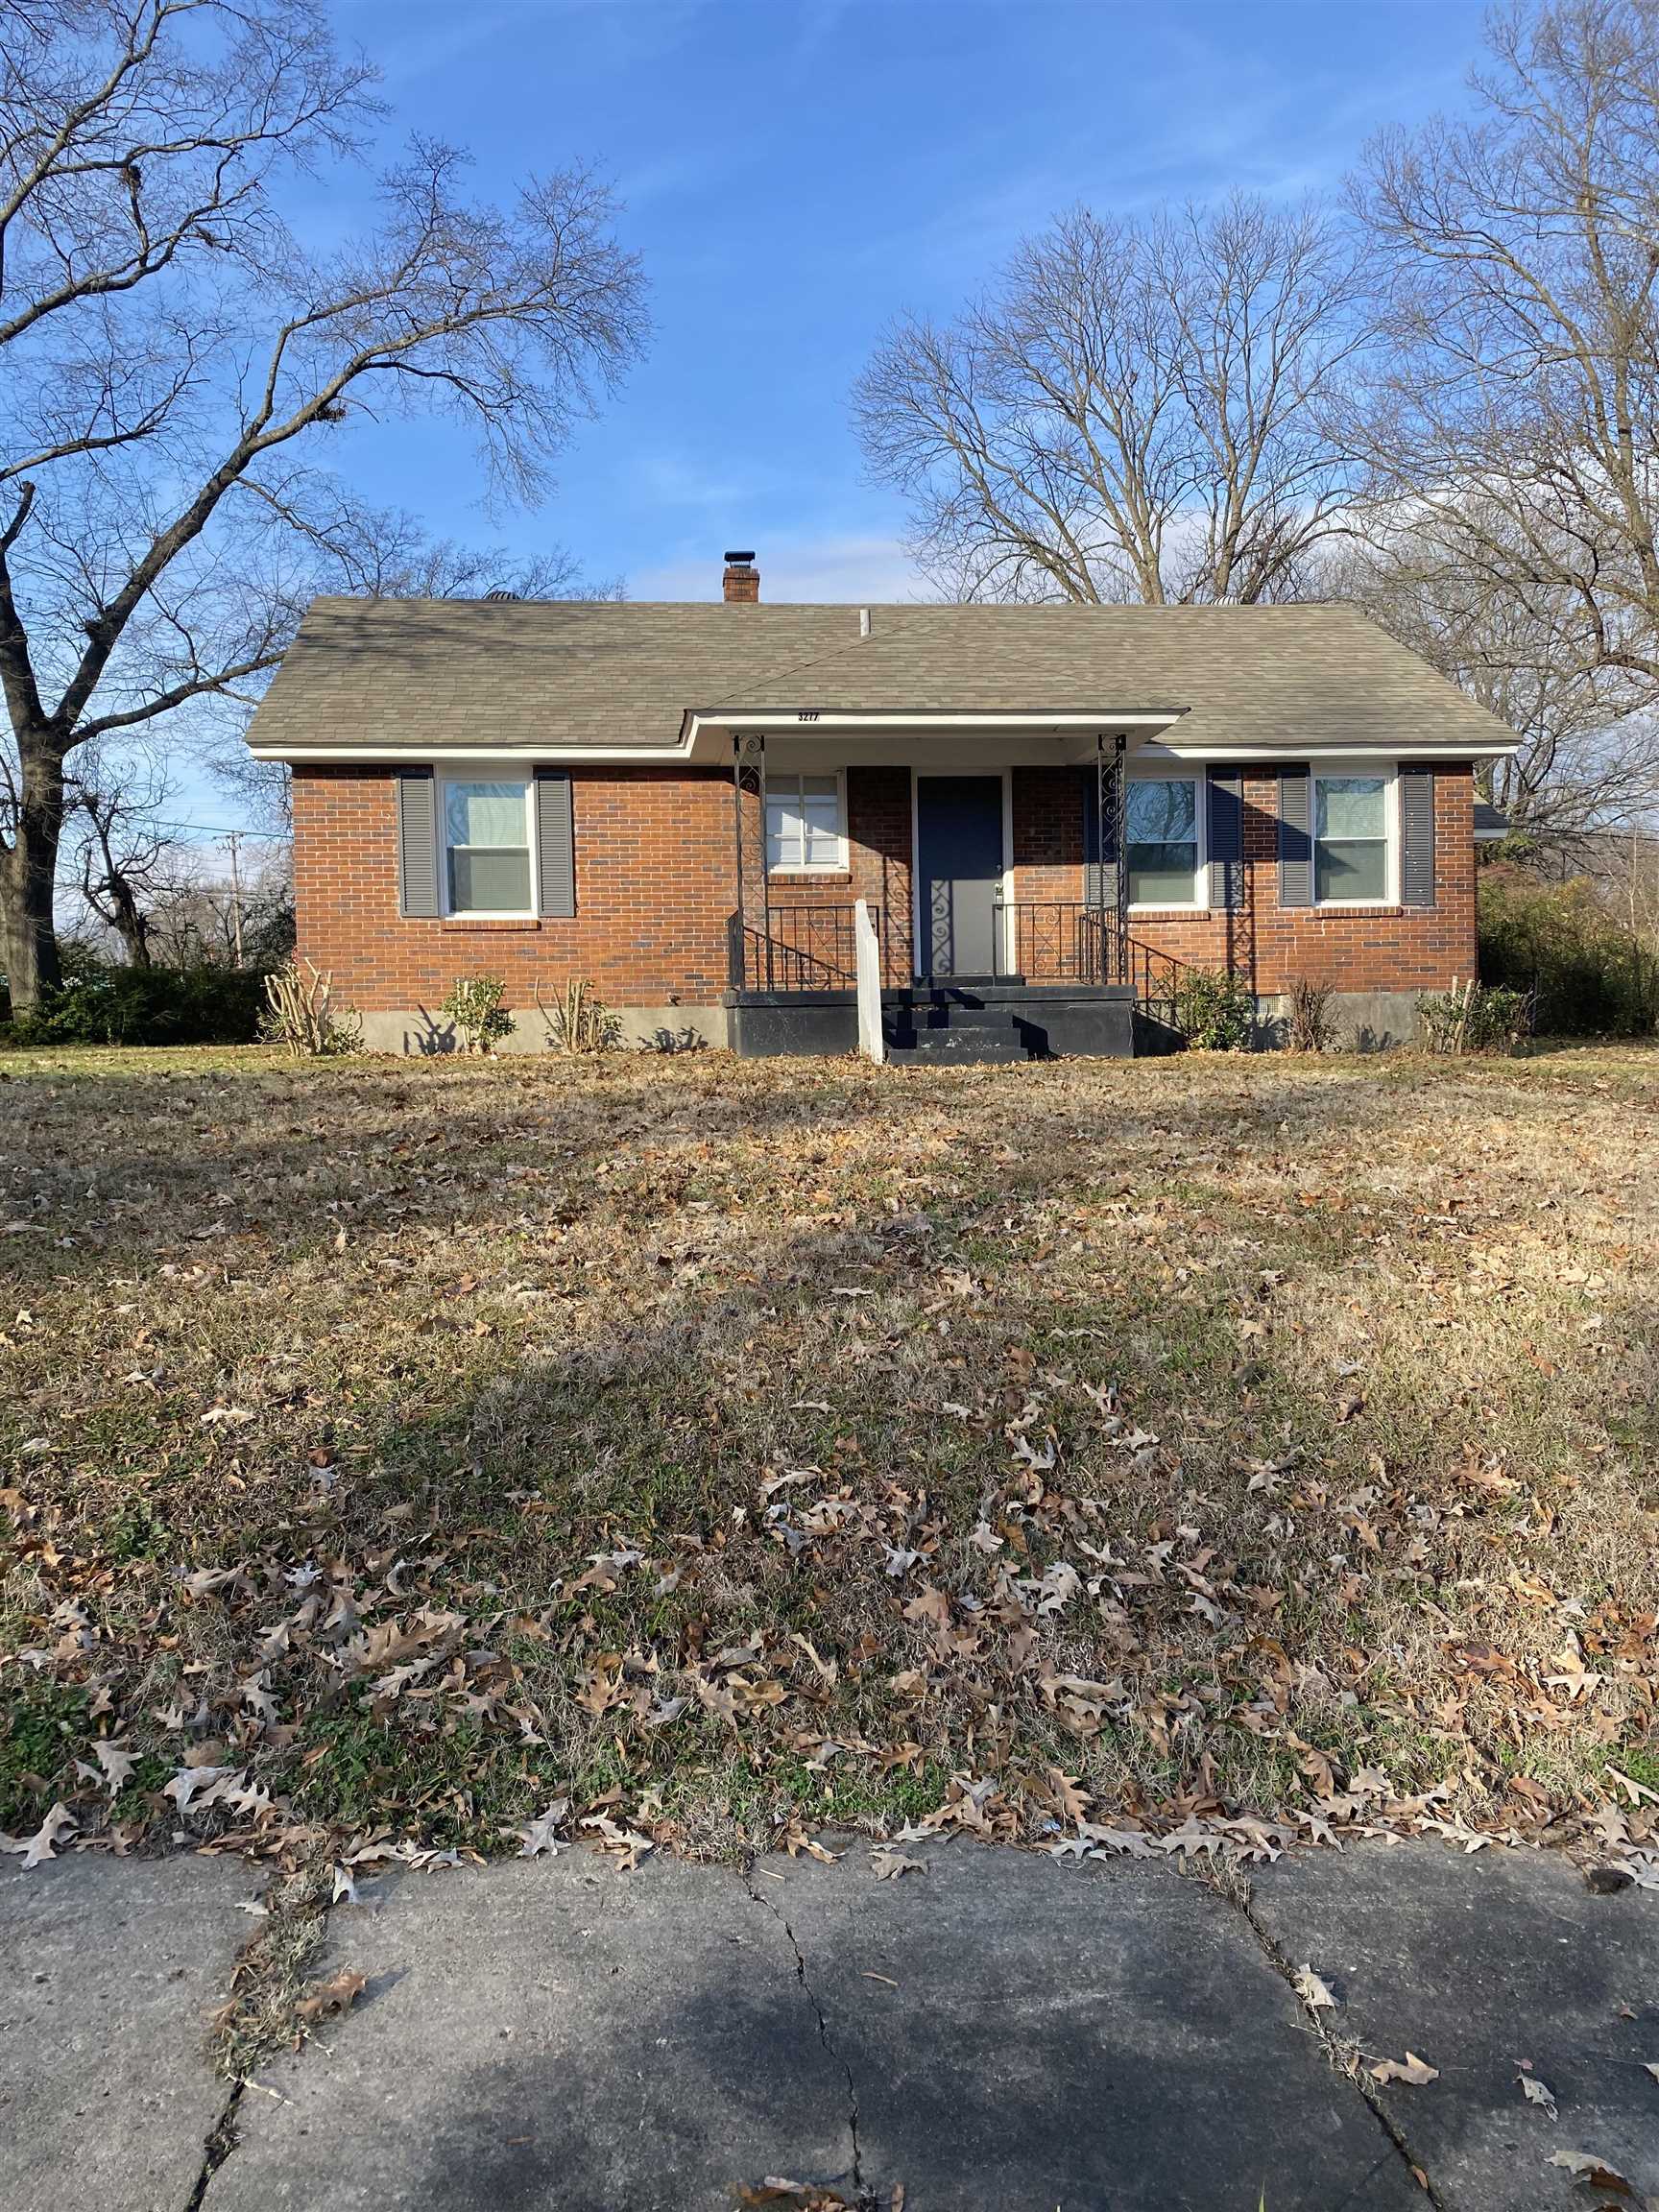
(743, 559)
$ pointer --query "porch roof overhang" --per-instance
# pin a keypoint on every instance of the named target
(708, 733)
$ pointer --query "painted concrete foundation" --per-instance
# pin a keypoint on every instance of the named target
(826, 1024)
(421, 1032)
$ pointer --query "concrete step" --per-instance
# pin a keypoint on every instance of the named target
(959, 1045)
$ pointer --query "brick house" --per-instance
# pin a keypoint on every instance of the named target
(1052, 812)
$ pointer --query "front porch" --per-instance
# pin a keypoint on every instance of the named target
(988, 863)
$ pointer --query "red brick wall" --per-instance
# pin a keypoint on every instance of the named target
(655, 882)
(1374, 948)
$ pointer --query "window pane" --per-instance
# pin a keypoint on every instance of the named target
(802, 822)
(1352, 807)
(1351, 871)
(489, 881)
(783, 833)
(1160, 873)
(484, 813)
(1163, 811)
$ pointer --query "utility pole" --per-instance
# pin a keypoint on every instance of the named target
(235, 896)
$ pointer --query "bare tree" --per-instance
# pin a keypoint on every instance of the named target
(123, 852)
(170, 360)
(1589, 754)
(1136, 410)
(1516, 424)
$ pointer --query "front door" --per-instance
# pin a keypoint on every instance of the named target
(959, 873)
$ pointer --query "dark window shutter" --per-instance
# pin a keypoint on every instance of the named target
(1295, 837)
(1417, 833)
(1099, 870)
(555, 842)
(416, 841)
(1226, 838)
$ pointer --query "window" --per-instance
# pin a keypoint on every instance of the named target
(1350, 839)
(487, 847)
(1162, 837)
(805, 827)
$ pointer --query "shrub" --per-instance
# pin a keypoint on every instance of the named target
(1214, 1011)
(580, 1021)
(1587, 977)
(1475, 1018)
(299, 1014)
(98, 1004)
(475, 1006)
(1312, 1026)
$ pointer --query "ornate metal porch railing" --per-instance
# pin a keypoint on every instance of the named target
(1074, 941)
(805, 947)
(1055, 941)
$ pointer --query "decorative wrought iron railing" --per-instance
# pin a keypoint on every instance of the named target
(1055, 941)
(1038, 941)
(806, 947)
(1072, 941)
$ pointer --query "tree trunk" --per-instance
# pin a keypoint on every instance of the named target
(27, 873)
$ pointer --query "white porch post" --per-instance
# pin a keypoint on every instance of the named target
(871, 1042)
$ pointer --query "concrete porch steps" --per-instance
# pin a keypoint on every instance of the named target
(957, 1023)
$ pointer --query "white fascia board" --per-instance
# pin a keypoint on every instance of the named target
(1246, 754)
(775, 721)
(425, 754)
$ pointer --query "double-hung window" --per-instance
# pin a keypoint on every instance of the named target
(1351, 840)
(805, 822)
(1163, 840)
(486, 845)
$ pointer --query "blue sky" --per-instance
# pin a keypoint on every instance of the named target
(797, 172)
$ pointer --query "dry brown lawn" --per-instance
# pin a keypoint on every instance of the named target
(1213, 1446)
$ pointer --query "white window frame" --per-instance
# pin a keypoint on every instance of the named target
(486, 773)
(1387, 775)
(778, 781)
(1176, 772)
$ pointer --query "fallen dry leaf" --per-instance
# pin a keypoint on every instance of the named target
(335, 1995)
(1586, 2165)
(889, 1865)
(1410, 2069)
(43, 1844)
(1314, 1993)
(1538, 2092)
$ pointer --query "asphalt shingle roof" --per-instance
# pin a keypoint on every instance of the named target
(538, 675)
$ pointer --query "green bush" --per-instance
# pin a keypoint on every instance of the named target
(97, 1004)
(1586, 976)
(475, 1006)
(1214, 1011)
(1475, 1018)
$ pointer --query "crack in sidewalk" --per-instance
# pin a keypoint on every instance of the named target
(221, 2142)
(864, 2198)
(1337, 2050)
(299, 1919)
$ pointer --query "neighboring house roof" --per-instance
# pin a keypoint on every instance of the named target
(1490, 821)
(384, 678)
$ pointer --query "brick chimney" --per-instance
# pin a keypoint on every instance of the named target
(741, 582)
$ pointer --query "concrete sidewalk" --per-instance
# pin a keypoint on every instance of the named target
(998, 2032)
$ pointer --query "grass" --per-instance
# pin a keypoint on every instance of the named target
(733, 1449)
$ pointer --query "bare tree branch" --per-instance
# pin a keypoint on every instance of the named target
(1138, 410)
(168, 353)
